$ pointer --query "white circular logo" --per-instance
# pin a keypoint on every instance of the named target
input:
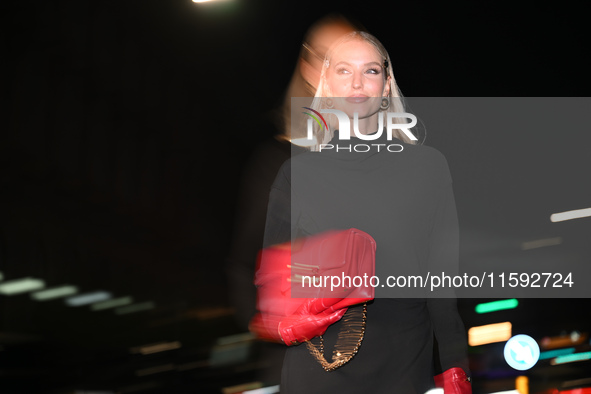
(522, 352)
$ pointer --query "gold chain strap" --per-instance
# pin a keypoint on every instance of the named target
(346, 339)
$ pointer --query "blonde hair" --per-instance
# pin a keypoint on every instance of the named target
(298, 85)
(396, 100)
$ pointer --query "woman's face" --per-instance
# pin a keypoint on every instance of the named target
(356, 73)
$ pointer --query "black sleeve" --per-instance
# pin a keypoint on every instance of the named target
(450, 333)
(444, 257)
(278, 227)
(259, 174)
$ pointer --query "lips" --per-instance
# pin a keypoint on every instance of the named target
(357, 99)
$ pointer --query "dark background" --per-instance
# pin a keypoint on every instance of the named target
(125, 128)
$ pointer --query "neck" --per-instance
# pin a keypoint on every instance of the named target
(365, 126)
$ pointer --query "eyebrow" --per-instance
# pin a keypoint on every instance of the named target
(366, 64)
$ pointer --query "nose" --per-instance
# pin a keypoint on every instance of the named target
(357, 82)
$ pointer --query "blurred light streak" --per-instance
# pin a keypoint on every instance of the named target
(18, 286)
(574, 338)
(88, 298)
(584, 386)
(571, 358)
(153, 370)
(241, 388)
(193, 365)
(270, 390)
(435, 391)
(53, 293)
(540, 243)
(99, 306)
(233, 349)
(494, 306)
(555, 353)
(569, 215)
(156, 347)
(506, 392)
(522, 384)
(231, 339)
(490, 333)
(144, 306)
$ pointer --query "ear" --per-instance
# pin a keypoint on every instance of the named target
(387, 87)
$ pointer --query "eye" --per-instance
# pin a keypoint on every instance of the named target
(374, 70)
(342, 70)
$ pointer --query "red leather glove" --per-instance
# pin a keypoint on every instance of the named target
(454, 381)
(304, 324)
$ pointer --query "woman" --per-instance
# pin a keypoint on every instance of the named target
(403, 198)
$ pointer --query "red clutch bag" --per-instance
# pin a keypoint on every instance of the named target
(298, 293)
(454, 381)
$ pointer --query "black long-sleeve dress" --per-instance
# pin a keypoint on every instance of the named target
(405, 201)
